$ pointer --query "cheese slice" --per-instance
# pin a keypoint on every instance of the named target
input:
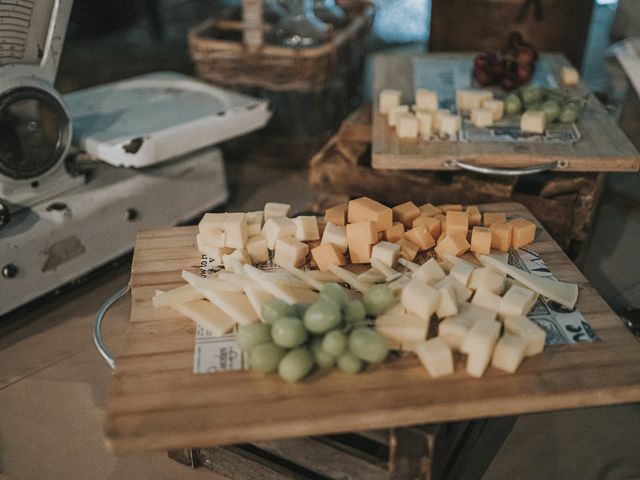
(389, 273)
(211, 283)
(371, 276)
(349, 277)
(183, 294)
(236, 305)
(207, 316)
(257, 298)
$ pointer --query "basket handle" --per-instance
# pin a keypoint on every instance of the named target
(252, 33)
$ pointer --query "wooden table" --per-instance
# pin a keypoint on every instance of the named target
(156, 402)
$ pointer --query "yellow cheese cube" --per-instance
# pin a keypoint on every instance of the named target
(501, 236)
(482, 117)
(509, 353)
(475, 217)
(478, 345)
(258, 249)
(429, 272)
(432, 224)
(453, 244)
(457, 223)
(517, 301)
(394, 233)
(429, 210)
(336, 235)
(570, 75)
(274, 209)
(407, 126)
(363, 232)
(363, 209)
(290, 252)
(388, 98)
(394, 114)
(408, 250)
(327, 254)
(405, 213)
(481, 240)
(493, 217)
(487, 279)
(527, 330)
(436, 356)
(254, 222)
(336, 215)
(533, 122)
(425, 124)
(421, 237)
(211, 228)
(450, 125)
(450, 207)
(496, 107)
(306, 228)
(235, 230)
(386, 252)
(211, 251)
(276, 227)
(523, 233)
(426, 99)
(360, 253)
(485, 299)
(443, 226)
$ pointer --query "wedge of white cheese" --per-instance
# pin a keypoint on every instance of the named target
(175, 296)
(207, 315)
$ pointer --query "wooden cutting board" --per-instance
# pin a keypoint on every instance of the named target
(156, 402)
(603, 147)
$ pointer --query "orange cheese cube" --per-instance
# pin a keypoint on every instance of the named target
(523, 233)
(456, 207)
(475, 217)
(321, 226)
(327, 254)
(408, 249)
(421, 237)
(494, 217)
(457, 222)
(362, 233)
(429, 210)
(364, 209)
(360, 253)
(432, 224)
(501, 236)
(455, 244)
(395, 233)
(405, 213)
(443, 223)
(336, 215)
(481, 240)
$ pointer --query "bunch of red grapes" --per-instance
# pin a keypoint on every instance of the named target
(509, 68)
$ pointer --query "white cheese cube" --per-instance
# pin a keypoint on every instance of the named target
(183, 294)
(236, 305)
(213, 252)
(462, 271)
(211, 229)
(529, 331)
(386, 253)
(474, 313)
(436, 356)
(425, 124)
(485, 299)
(509, 352)
(277, 227)
(273, 210)
(420, 299)
(496, 107)
(306, 228)
(450, 125)
(387, 99)
(407, 126)
(258, 249)
(398, 326)
(448, 305)
(482, 117)
(453, 330)
(437, 119)
(394, 114)
(533, 122)
(426, 99)
(429, 272)
(290, 252)
(487, 279)
(235, 230)
(207, 315)
(233, 261)
(254, 222)
(570, 75)
(463, 293)
(337, 235)
(478, 345)
(468, 99)
(517, 302)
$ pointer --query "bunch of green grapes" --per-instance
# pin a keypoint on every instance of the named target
(332, 331)
(556, 105)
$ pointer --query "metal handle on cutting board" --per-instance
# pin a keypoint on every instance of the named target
(506, 171)
(97, 330)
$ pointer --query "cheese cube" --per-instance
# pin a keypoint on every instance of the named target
(528, 331)
(273, 209)
(450, 207)
(533, 122)
(523, 232)
(306, 228)
(254, 222)
(462, 293)
(457, 222)
(570, 75)
(517, 301)
(509, 353)
(360, 252)
(496, 107)
(421, 237)
(233, 261)
(235, 230)
(468, 99)
(394, 233)
(490, 218)
(426, 99)
(210, 251)
(432, 224)
(475, 217)
(276, 227)
(387, 253)
(412, 329)
(462, 271)
(450, 125)
(448, 305)
(429, 210)
(407, 126)
(478, 345)
(387, 99)
(211, 229)
(501, 236)
(481, 240)
(487, 279)
(475, 313)
(408, 249)
(453, 330)
(258, 249)
(425, 124)
(453, 244)
(290, 252)
(327, 254)
(336, 215)
(394, 114)
(482, 117)
(429, 272)
(363, 232)
(420, 299)
(207, 315)
(436, 356)
(365, 209)
(336, 235)
(485, 299)
(405, 213)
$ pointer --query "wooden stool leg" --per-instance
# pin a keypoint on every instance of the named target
(185, 456)
(411, 452)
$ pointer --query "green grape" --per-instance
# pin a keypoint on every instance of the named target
(334, 343)
(512, 104)
(265, 357)
(274, 308)
(322, 358)
(569, 113)
(296, 365)
(378, 299)
(335, 293)
(253, 334)
(368, 345)
(300, 309)
(551, 110)
(289, 332)
(348, 362)
(354, 312)
(532, 94)
(322, 316)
